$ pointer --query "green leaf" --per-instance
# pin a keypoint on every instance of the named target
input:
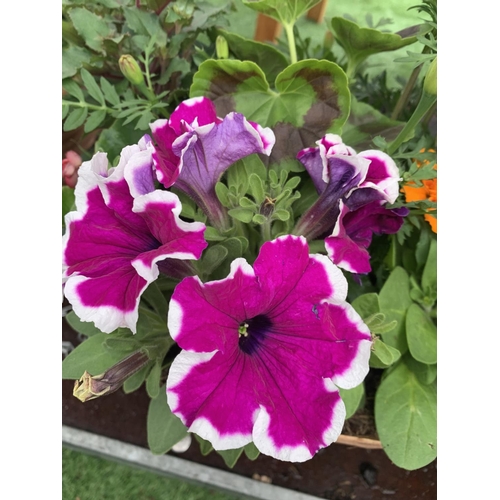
(91, 356)
(109, 91)
(164, 428)
(394, 300)
(213, 257)
(241, 214)
(230, 456)
(205, 446)
(360, 43)
(421, 334)
(429, 275)
(405, 417)
(383, 355)
(136, 380)
(65, 111)
(92, 87)
(365, 123)
(155, 298)
(73, 58)
(153, 380)
(426, 374)
(311, 98)
(115, 138)
(366, 305)
(72, 88)
(68, 201)
(270, 59)
(145, 23)
(75, 119)
(84, 327)
(352, 399)
(251, 451)
(91, 27)
(94, 120)
(222, 191)
(285, 12)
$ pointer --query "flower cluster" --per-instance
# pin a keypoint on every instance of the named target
(265, 349)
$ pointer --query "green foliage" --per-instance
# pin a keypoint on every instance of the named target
(164, 428)
(353, 399)
(405, 415)
(285, 12)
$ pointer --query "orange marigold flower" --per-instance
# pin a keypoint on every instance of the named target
(428, 191)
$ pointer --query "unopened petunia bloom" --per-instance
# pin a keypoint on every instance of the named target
(120, 236)
(193, 148)
(352, 214)
(70, 164)
(265, 351)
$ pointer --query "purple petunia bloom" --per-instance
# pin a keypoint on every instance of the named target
(352, 235)
(356, 212)
(264, 352)
(119, 235)
(194, 148)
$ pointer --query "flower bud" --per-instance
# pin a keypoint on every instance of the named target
(131, 70)
(430, 81)
(70, 166)
(221, 47)
(91, 387)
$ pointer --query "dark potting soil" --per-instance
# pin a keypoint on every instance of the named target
(338, 472)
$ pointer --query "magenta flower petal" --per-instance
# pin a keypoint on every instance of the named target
(264, 351)
(113, 243)
(352, 235)
(194, 148)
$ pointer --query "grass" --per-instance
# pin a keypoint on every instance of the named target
(85, 477)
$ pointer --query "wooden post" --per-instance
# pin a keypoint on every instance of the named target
(268, 29)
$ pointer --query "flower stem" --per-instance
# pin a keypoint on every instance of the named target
(266, 231)
(425, 103)
(291, 41)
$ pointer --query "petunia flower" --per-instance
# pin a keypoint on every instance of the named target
(194, 148)
(265, 351)
(115, 243)
(347, 246)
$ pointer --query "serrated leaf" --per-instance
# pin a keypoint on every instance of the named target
(92, 87)
(230, 456)
(146, 118)
(422, 335)
(359, 43)
(75, 119)
(270, 59)
(311, 98)
(109, 91)
(73, 58)
(394, 299)
(94, 120)
(405, 418)
(285, 12)
(164, 428)
(352, 399)
(92, 356)
(91, 27)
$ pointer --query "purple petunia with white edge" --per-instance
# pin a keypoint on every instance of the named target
(265, 351)
(193, 148)
(117, 238)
